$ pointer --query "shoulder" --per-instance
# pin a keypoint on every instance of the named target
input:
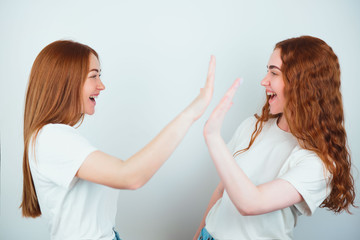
(307, 173)
(242, 134)
(53, 136)
(300, 155)
(249, 120)
(252, 120)
(306, 162)
(57, 128)
(59, 152)
(57, 132)
(247, 124)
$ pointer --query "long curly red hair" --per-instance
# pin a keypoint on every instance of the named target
(314, 112)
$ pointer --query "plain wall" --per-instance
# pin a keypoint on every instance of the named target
(154, 58)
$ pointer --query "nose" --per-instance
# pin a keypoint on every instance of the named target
(265, 81)
(100, 85)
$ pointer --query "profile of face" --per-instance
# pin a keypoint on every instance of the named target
(92, 86)
(274, 83)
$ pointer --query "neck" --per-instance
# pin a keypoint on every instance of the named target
(282, 124)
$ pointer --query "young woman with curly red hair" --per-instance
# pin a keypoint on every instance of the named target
(289, 160)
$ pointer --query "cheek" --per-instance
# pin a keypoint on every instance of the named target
(281, 96)
(88, 86)
(84, 96)
(282, 90)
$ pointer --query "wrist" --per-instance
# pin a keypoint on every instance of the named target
(186, 118)
(212, 138)
(189, 115)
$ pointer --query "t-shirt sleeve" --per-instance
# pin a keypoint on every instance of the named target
(60, 151)
(306, 172)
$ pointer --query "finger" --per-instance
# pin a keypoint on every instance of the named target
(232, 90)
(211, 73)
(226, 102)
(222, 108)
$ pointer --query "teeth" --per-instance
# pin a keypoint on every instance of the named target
(271, 94)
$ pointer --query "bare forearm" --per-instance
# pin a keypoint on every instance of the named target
(243, 193)
(148, 160)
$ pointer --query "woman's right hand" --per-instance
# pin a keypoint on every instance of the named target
(198, 106)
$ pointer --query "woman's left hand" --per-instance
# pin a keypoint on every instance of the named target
(214, 123)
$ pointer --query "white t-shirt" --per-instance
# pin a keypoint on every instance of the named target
(75, 208)
(274, 154)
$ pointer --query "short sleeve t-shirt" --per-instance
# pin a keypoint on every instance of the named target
(274, 154)
(74, 208)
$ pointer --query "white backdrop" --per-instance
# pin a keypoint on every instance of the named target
(154, 57)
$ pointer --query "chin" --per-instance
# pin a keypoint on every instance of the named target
(90, 112)
(274, 112)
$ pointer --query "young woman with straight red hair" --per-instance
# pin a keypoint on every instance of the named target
(290, 159)
(68, 180)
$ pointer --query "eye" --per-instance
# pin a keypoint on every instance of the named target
(95, 76)
(271, 72)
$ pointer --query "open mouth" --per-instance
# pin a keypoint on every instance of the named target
(271, 95)
(92, 98)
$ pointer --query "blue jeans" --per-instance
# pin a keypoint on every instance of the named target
(117, 237)
(204, 235)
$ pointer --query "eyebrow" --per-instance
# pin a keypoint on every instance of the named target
(272, 67)
(96, 70)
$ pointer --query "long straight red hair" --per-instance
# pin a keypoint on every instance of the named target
(314, 112)
(54, 95)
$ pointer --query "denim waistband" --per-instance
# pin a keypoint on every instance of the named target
(205, 235)
(117, 237)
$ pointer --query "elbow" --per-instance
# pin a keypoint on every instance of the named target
(129, 179)
(246, 212)
(128, 186)
(250, 206)
(134, 186)
(131, 183)
(249, 210)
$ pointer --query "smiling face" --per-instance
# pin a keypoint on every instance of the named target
(274, 83)
(92, 86)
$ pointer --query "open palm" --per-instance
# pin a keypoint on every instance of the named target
(200, 103)
(214, 123)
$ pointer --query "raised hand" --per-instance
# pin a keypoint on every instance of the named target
(200, 103)
(136, 171)
(214, 123)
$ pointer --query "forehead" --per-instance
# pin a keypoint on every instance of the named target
(275, 58)
(93, 62)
